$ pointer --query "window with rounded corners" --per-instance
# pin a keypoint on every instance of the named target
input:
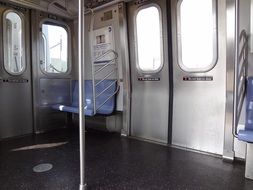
(197, 35)
(54, 49)
(149, 41)
(14, 39)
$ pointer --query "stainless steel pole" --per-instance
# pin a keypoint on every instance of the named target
(81, 31)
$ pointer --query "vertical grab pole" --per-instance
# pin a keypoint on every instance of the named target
(81, 31)
(92, 62)
(235, 114)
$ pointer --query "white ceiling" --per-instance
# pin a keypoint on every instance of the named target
(67, 8)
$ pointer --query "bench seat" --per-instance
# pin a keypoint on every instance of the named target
(246, 136)
(106, 109)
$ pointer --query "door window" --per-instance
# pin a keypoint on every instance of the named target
(13, 35)
(197, 35)
(149, 39)
(55, 49)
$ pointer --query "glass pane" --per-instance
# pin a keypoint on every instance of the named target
(55, 49)
(149, 39)
(13, 43)
(197, 34)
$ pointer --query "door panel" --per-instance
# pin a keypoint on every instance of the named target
(199, 96)
(52, 45)
(150, 90)
(16, 116)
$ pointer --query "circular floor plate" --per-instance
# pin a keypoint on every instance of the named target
(42, 168)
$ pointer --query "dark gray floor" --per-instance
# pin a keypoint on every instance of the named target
(112, 163)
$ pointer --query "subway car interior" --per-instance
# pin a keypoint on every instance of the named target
(126, 94)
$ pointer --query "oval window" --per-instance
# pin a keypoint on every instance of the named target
(149, 39)
(197, 35)
(13, 35)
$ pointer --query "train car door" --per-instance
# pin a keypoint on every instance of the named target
(199, 74)
(16, 116)
(52, 69)
(149, 69)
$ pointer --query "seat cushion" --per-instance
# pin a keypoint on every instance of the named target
(65, 108)
(71, 109)
(105, 110)
(106, 97)
(246, 136)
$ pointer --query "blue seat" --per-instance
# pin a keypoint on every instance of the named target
(106, 109)
(247, 134)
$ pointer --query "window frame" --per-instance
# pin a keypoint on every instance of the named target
(161, 38)
(213, 63)
(69, 47)
(23, 44)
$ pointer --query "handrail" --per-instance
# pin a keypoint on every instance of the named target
(101, 63)
(106, 65)
(111, 60)
(92, 59)
(107, 53)
(106, 88)
(240, 78)
(116, 91)
(107, 76)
